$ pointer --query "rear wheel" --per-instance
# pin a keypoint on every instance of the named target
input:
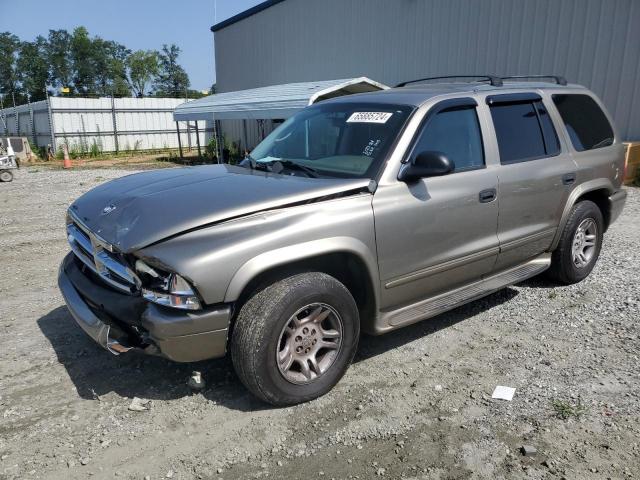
(6, 176)
(579, 245)
(294, 340)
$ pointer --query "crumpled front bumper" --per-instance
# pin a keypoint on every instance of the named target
(120, 322)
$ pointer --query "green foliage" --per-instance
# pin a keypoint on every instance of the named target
(234, 151)
(211, 149)
(36, 150)
(87, 65)
(33, 69)
(59, 58)
(565, 410)
(143, 67)
(172, 80)
(81, 52)
(9, 46)
(95, 151)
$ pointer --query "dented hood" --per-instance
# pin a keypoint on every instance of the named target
(137, 210)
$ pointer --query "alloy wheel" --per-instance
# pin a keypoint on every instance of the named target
(584, 243)
(309, 343)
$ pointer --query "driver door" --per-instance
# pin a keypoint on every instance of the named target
(436, 234)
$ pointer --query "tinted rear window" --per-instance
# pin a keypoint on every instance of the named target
(586, 123)
(524, 131)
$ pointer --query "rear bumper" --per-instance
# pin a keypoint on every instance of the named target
(119, 322)
(616, 204)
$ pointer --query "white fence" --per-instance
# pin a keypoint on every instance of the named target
(119, 124)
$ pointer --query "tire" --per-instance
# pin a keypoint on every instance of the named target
(564, 267)
(6, 176)
(261, 336)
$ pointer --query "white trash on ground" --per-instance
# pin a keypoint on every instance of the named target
(503, 393)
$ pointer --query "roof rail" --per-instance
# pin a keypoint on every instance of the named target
(556, 78)
(494, 80)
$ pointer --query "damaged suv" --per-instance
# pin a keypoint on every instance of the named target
(362, 213)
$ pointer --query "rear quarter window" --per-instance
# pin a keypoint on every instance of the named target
(586, 123)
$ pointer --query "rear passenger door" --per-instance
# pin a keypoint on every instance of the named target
(535, 176)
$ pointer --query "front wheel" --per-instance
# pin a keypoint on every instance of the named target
(579, 245)
(294, 340)
(6, 176)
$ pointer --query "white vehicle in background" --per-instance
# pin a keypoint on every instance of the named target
(7, 163)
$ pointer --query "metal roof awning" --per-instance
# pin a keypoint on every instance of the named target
(273, 102)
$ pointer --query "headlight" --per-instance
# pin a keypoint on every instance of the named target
(170, 291)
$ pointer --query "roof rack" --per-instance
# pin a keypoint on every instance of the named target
(556, 78)
(494, 80)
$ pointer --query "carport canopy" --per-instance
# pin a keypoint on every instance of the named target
(273, 102)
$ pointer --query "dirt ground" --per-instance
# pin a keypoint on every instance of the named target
(416, 404)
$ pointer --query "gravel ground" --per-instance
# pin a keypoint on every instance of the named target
(415, 404)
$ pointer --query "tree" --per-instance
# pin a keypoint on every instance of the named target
(81, 52)
(172, 80)
(9, 46)
(108, 60)
(33, 69)
(59, 57)
(143, 68)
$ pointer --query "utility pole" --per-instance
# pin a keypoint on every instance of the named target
(115, 125)
(186, 99)
(32, 121)
(15, 111)
(51, 124)
(3, 114)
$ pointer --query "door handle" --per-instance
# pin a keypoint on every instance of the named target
(568, 178)
(488, 195)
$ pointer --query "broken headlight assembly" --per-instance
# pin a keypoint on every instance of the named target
(169, 290)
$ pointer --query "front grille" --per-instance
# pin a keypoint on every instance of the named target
(100, 258)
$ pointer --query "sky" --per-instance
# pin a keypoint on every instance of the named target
(137, 24)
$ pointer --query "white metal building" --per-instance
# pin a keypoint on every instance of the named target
(118, 124)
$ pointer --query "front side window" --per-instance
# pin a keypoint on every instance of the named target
(346, 140)
(586, 123)
(524, 131)
(456, 133)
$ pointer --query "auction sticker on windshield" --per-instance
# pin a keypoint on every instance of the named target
(369, 117)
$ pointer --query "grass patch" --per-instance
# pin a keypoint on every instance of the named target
(565, 410)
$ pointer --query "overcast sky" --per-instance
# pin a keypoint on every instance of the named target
(138, 24)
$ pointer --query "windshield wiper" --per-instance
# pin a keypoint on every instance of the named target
(311, 172)
(276, 166)
(280, 164)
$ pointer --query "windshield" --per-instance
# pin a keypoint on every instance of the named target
(346, 140)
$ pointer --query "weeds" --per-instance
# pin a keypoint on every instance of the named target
(565, 410)
(95, 151)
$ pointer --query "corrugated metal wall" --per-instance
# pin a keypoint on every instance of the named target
(141, 123)
(595, 43)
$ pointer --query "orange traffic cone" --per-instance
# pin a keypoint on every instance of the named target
(67, 161)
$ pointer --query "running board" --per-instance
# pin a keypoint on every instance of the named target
(450, 300)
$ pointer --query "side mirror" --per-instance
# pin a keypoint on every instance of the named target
(426, 164)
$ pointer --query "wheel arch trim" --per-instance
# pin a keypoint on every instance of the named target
(579, 191)
(299, 252)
